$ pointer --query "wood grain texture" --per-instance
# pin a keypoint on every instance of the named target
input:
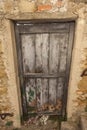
(54, 53)
(44, 55)
(42, 91)
(52, 91)
(41, 53)
(60, 86)
(64, 49)
(43, 28)
(31, 92)
(28, 52)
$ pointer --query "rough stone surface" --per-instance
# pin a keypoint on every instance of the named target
(82, 85)
(69, 126)
(51, 125)
(4, 102)
(84, 122)
(79, 1)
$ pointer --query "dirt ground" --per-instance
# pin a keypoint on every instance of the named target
(50, 125)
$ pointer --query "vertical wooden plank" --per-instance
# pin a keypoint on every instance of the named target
(54, 53)
(42, 67)
(69, 57)
(41, 53)
(63, 55)
(42, 93)
(53, 65)
(20, 70)
(31, 94)
(70, 47)
(52, 91)
(39, 92)
(60, 88)
(45, 90)
(59, 96)
(28, 52)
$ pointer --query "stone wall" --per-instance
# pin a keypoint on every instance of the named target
(10, 10)
(82, 84)
(4, 101)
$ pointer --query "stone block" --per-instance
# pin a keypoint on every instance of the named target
(26, 6)
(1, 50)
(8, 6)
(1, 6)
(2, 73)
(3, 90)
(78, 1)
(69, 126)
(84, 122)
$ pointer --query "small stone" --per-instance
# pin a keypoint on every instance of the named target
(69, 126)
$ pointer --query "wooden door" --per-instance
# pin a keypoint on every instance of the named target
(44, 56)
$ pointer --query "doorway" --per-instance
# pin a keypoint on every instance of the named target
(44, 51)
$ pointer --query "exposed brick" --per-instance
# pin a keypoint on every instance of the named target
(44, 7)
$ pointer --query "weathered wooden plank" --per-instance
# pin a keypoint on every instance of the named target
(39, 92)
(63, 55)
(54, 58)
(42, 93)
(69, 57)
(45, 90)
(52, 91)
(20, 70)
(54, 53)
(31, 94)
(41, 53)
(53, 66)
(28, 53)
(60, 87)
(43, 28)
(43, 75)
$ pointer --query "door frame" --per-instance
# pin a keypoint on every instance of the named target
(71, 40)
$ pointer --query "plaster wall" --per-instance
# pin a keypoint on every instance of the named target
(11, 10)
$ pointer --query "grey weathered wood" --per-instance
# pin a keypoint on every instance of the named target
(41, 28)
(41, 53)
(45, 91)
(42, 92)
(53, 65)
(69, 57)
(60, 86)
(63, 55)
(42, 75)
(39, 92)
(52, 91)
(54, 53)
(44, 52)
(20, 71)
(31, 92)
(28, 53)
